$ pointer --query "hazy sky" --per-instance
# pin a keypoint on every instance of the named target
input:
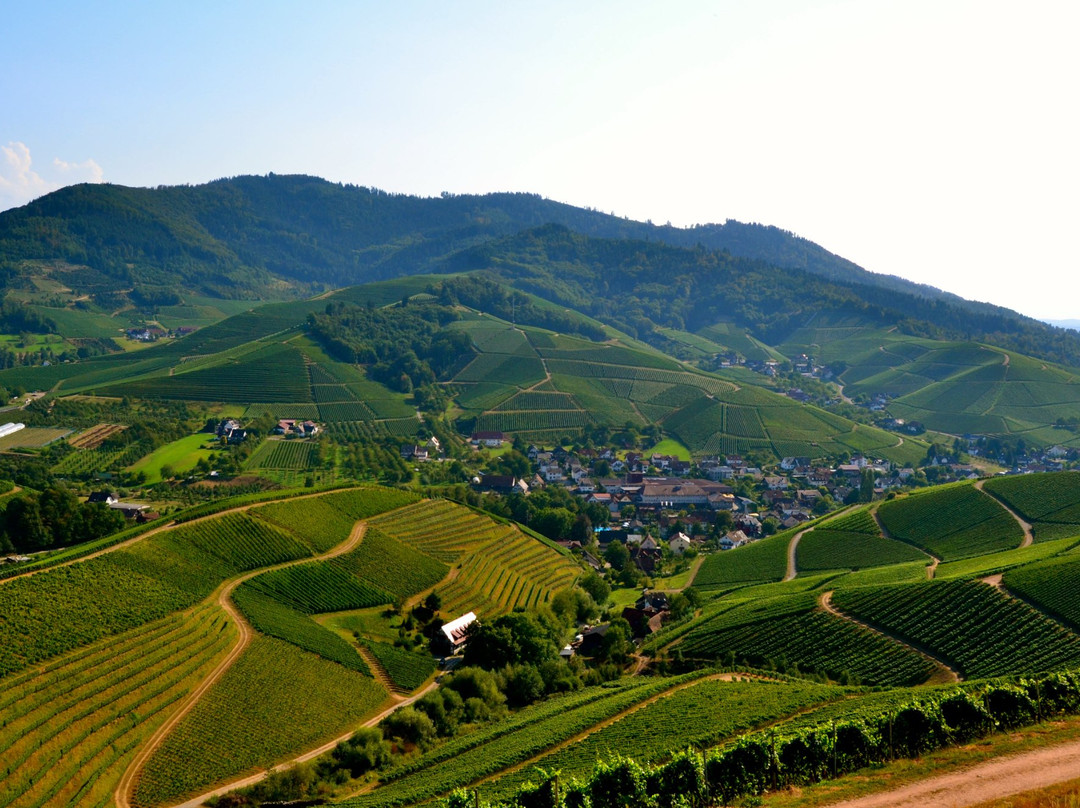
(931, 139)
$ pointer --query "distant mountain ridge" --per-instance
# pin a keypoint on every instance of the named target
(279, 237)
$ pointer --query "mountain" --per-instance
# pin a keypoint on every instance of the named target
(280, 236)
(82, 264)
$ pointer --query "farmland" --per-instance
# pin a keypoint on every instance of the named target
(158, 631)
(951, 522)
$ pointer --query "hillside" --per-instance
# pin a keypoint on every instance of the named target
(363, 367)
(91, 251)
(249, 636)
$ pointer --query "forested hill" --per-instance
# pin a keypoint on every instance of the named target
(637, 286)
(287, 236)
(309, 230)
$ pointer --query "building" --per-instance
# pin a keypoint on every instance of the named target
(456, 631)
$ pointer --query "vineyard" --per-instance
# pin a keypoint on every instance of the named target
(405, 669)
(832, 547)
(72, 727)
(274, 700)
(794, 629)
(514, 740)
(951, 522)
(1050, 501)
(944, 616)
(701, 715)
(283, 454)
(1051, 585)
(764, 560)
(504, 568)
(95, 436)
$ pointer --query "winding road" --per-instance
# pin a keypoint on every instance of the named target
(223, 597)
(1029, 536)
(994, 779)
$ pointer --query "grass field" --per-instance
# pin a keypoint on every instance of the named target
(182, 455)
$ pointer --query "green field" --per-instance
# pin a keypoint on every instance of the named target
(182, 455)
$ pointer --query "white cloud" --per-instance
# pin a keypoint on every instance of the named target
(20, 183)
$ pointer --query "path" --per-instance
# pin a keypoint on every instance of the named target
(195, 802)
(944, 674)
(1029, 536)
(224, 600)
(987, 781)
(155, 531)
(931, 568)
(792, 548)
(607, 722)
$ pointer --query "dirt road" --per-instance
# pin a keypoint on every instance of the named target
(986, 781)
(1029, 537)
(224, 600)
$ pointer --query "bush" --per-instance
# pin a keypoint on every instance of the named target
(965, 717)
(618, 783)
(1010, 706)
(683, 778)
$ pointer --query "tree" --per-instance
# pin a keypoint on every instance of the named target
(596, 586)
(617, 555)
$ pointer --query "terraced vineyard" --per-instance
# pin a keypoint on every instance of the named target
(1051, 585)
(72, 727)
(764, 560)
(276, 699)
(407, 670)
(852, 542)
(944, 617)
(951, 522)
(701, 715)
(1051, 502)
(504, 569)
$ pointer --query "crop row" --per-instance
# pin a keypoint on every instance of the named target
(764, 560)
(700, 715)
(813, 640)
(276, 619)
(346, 411)
(532, 420)
(828, 549)
(274, 700)
(95, 436)
(532, 400)
(571, 367)
(473, 762)
(952, 522)
(282, 454)
(405, 669)
(323, 393)
(391, 565)
(857, 521)
(279, 410)
(1052, 585)
(70, 743)
(318, 587)
(315, 520)
(281, 377)
(1038, 496)
(969, 624)
(504, 369)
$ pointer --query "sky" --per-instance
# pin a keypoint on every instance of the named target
(936, 140)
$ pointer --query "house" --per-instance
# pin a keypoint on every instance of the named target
(592, 639)
(488, 438)
(103, 497)
(456, 631)
(679, 543)
(413, 452)
(291, 426)
(129, 510)
(501, 484)
(735, 538)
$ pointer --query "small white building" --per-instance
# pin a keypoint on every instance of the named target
(679, 543)
(457, 630)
